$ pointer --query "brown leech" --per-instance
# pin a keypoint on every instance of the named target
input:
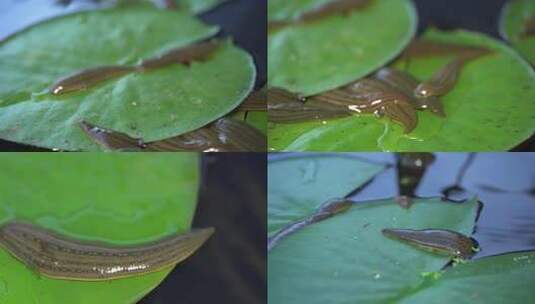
(326, 210)
(88, 78)
(441, 241)
(91, 77)
(60, 257)
(371, 95)
(224, 135)
(256, 101)
(407, 84)
(442, 82)
(529, 28)
(331, 8)
(286, 107)
(201, 51)
(428, 48)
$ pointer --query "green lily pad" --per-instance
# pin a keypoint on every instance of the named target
(317, 57)
(152, 105)
(258, 120)
(512, 21)
(476, 282)
(115, 198)
(346, 259)
(490, 109)
(297, 185)
(199, 6)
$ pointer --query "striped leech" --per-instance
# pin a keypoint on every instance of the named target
(529, 28)
(286, 107)
(326, 210)
(222, 135)
(87, 78)
(90, 77)
(256, 101)
(407, 84)
(441, 241)
(335, 7)
(60, 257)
(391, 93)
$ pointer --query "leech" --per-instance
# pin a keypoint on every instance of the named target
(88, 78)
(111, 140)
(429, 48)
(440, 241)
(529, 28)
(256, 101)
(407, 84)
(57, 256)
(201, 51)
(224, 135)
(403, 201)
(442, 82)
(331, 8)
(326, 210)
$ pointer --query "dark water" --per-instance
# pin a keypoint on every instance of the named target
(231, 267)
(243, 20)
(503, 182)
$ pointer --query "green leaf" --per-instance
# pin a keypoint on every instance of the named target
(152, 105)
(512, 20)
(116, 198)
(258, 120)
(346, 259)
(199, 6)
(492, 280)
(297, 185)
(490, 109)
(317, 57)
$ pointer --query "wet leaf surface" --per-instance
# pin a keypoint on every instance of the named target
(346, 259)
(115, 198)
(296, 185)
(490, 109)
(152, 105)
(316, 57)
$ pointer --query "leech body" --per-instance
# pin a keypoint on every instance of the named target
(256, 101)
(529, 28)
(441, 241)
(88, 78)
(184, 55)
(60, 257)
(326, 10)
(326, 210)
(407, 84)
(442, 82)
(429, 48)
(223, 135)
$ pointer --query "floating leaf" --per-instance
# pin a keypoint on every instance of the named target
(490, 109)
(346, 259)
(153, 105)
(476, 282)
(116, 198)
(199, 6)
(512, 21)
(297, 185)
(326, 54)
